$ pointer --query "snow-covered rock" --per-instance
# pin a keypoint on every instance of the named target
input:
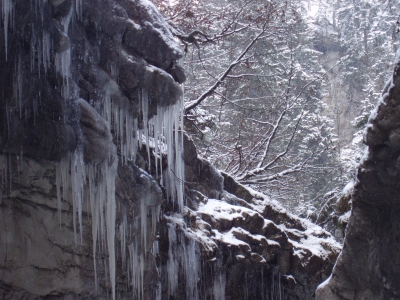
(246, 241)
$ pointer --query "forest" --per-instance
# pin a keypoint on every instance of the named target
(278, 92)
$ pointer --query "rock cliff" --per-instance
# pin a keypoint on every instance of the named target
(368, 267)
(102, 195)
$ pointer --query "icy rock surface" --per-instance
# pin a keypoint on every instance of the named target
(368, 265)
(85, 84)
(92, 172)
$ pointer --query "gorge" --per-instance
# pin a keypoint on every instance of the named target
(103, 195)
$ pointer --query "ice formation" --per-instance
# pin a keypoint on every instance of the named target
(72, 177)
(92, 186)
(184, 255)
(162, 135)
(7, 9)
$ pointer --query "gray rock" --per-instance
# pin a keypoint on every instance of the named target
(368, 265)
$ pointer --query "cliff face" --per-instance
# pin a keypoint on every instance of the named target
(79, 81)
(94, 198)
(368, 267)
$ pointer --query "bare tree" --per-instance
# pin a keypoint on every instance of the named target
(252, 100)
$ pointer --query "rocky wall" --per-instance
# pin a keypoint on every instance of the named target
(368, 267)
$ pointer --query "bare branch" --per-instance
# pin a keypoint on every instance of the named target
(294, 169)
(260, 169)
(192, 104)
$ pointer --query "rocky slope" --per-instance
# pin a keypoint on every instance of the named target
(368, 267)
(94, 198)
(247, 246)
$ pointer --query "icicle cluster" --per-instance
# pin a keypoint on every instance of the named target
(135, 262)
(74, 180)
(219, 280)
(162, 135)
(40, 46)
(166, 129)
(94, 185)
(99, 179)
(184, 256)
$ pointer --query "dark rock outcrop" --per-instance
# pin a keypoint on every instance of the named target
(75, 76)
(368, 267)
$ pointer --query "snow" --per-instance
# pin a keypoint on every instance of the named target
(397, 56)
(325, 283)
(381, 101)
(272, 243)
(228, 238)
(348, 188)
(222, 210)
(314, 240)
(345, 217)
(158, 23)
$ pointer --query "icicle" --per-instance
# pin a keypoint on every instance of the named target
(172, 263)
(158, 291)
(185, 253)
(10, 173)
(33, 47)
(123, 234)
(77, 180)
(46, 46)
(17, 85)
(155, 213)
(145, 114)
(174, 181)
(135, 139)
(95, 211)
(101, 183)
(7, 8)
(63, 59)
(70, 173)
(78, 8)
(143, 222)
(219, 282)
(111, 173)
(58, 186)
